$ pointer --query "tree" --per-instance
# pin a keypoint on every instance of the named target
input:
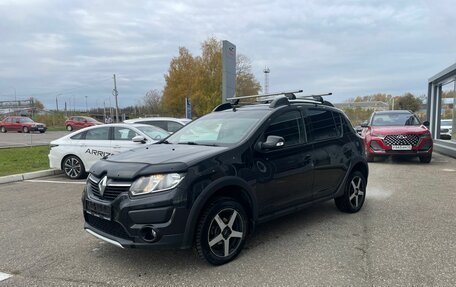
(180, 82)
(152, 103)
(408, 102)
(37, 104)
(246, 84)
(200, 79)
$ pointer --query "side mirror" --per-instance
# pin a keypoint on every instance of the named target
(426, 123)
(139, 139)
(365, 124)
(272, 142)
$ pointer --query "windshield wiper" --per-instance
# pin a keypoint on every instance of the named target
(194, 143)
(163, 141)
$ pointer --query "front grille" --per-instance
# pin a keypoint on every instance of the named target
(403, 139)
(109, 227)
(112, 190)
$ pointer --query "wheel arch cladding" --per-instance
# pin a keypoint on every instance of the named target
(233, 187)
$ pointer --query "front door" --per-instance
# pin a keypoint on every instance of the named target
(284, 174)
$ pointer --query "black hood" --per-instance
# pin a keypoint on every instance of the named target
(155, 158)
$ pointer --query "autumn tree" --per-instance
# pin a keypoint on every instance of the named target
(246, 83)
(408, 102)
(180, 81)
(200, 79)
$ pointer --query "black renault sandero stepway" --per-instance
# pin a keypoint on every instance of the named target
(208, 184)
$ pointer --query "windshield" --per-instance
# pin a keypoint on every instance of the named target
(395, 119)
(90, 119)
(446, 122)
(153, 132)
(218, 128)
(26, 120)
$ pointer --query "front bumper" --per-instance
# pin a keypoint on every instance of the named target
(126, 221)
(376, 146)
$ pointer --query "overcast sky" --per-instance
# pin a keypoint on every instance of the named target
(71, 49)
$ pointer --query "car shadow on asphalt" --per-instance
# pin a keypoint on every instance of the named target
(266, 234)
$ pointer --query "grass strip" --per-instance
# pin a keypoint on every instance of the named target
(23, 159)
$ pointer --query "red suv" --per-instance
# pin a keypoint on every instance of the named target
(397, 133)
(79, 122)
(21, 124)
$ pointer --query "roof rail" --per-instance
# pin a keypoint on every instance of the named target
(285, 99)
(290, 95)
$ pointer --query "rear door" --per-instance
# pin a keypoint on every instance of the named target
(94, 145)
(329, 151)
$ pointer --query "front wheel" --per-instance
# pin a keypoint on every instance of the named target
(73, 167)
(221, 231)
(25, 130)
(354, 195)
(426, 158)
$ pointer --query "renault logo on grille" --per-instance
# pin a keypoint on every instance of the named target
(102, 185)
(401, 137)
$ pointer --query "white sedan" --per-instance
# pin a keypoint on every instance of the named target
(75, 153)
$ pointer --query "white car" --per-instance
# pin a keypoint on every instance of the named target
(446, 129)
(75, 153)
(171, 125)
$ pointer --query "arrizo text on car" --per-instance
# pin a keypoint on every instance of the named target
(208, 184)
(75, 153)
(398, 133)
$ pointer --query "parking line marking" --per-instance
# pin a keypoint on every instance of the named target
(4, 276)
(54, 181)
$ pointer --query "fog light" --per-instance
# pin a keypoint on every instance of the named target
(375, 146)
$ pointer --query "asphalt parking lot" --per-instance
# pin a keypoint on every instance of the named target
(404, 236)
(15, 139)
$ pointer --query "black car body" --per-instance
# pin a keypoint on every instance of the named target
(275, 158)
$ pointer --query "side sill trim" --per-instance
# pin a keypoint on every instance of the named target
(104, 238)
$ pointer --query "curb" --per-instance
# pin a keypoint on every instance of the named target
(28, 175)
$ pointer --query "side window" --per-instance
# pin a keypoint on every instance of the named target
(98, 134)
(160, 124)
(323, 124)
(123, 134)
(78, 136)
(173, 127)
(347, 127)
(288, 126)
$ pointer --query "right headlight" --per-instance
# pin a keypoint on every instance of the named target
(156, 183)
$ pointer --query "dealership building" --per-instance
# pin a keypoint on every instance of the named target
(441, 112)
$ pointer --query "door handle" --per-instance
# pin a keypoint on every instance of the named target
(117, 146)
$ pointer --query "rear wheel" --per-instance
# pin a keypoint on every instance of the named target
(354, 195)
(69, 128)
(426, 158)
(221, 231)
(25, 130)
(73, 167)
(3, 129)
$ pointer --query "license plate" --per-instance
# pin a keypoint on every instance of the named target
(401, 147)
(97, 209)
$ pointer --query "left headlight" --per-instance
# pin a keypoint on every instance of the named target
(156, 183)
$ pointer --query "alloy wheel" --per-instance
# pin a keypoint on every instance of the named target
(72, 167)
(356, 192)
(225, 232)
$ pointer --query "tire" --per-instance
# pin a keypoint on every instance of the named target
(69, 128)
(426, 158)
(41, 132)
(354, 194)
(25, 130)
(73, 167)
(3, 129)
(221, 231)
